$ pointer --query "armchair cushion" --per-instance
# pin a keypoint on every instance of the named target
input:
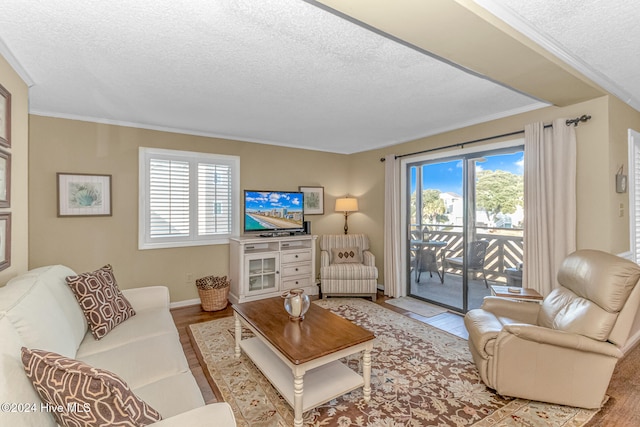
(594, 290)
(347, 267)
(346, 255)
(348, 271)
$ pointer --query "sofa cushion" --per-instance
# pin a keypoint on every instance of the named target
(143, 361)
(346, 255)
(87, 396)
(15, 387)
(43, 310)
(145, 324)
(103, 304)
(172, 395)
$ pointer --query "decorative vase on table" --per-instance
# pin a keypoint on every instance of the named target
(296, 303)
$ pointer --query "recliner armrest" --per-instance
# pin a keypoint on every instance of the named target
(525, 312)
(557, 338)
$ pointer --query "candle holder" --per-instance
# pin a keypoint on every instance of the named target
(296, 303)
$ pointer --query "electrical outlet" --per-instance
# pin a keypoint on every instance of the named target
(189, 277)
(621, 210)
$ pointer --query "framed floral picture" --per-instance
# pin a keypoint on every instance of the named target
(313, 200)
(5, 117)
(5, 240)
(5, 179)
(84, 195)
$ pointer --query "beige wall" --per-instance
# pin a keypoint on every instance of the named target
(59, 145)
(621, 119)
(84, 244)
(19, 171)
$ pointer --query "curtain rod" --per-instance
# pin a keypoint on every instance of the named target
(569, 122)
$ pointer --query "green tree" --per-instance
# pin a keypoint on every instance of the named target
(499, 192)
(432, 206)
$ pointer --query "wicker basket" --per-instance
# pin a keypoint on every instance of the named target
(213, 299)
(213, 292)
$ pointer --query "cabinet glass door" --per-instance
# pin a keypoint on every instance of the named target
(262, 273)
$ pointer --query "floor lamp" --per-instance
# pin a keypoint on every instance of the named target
(346, 205)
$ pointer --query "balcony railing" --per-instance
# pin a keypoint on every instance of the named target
(505, 248)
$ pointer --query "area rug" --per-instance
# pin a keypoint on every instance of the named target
(416, 306)
(421, 376)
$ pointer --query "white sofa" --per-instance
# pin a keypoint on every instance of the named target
(38, 310)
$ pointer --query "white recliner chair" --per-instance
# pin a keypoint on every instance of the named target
(564, 350)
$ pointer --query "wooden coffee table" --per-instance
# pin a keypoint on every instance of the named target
(300, 358)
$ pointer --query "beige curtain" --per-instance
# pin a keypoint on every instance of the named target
(550, 202)
(392, 239)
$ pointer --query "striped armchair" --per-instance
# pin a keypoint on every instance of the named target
(347, 268)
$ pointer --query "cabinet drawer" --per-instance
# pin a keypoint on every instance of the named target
(296, 257)
(295, 283)
(301, 269)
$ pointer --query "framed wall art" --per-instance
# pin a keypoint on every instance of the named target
(313, 200)
(5, 240)
(5, 117)
(84, 195)
(5, 179)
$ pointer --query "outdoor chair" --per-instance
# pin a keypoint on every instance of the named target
(427, 261)
(476, 251)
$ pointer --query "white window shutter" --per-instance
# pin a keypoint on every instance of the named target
(168, 198)
(214, 199)
(187, 198)
(634, 194)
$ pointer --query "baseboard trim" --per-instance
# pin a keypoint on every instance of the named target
(185, 303)
(631, 342)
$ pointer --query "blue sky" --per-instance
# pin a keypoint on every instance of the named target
(447, 176)
(267, 200)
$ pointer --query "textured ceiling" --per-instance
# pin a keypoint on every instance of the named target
(279, 71)
(282, 72)
(599, 38)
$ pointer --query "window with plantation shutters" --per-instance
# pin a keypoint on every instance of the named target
(187, 198)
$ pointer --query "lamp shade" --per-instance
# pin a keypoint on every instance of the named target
(347, 204)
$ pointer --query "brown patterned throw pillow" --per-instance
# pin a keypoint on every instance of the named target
(77, 394)
(346, 255)
(103, 304)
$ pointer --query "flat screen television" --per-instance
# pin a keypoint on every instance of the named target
(268, 212)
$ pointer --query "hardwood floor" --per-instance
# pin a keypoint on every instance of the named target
(624, 389)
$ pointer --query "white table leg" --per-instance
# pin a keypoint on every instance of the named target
(238, 333)
(366, 374)
(298, 389)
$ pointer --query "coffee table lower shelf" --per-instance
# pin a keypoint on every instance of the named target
(321, 384)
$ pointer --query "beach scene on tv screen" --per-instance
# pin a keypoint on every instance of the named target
(272, 211)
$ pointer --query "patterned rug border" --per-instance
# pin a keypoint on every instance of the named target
(516, 413)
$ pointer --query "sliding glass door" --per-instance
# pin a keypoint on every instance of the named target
(465, 218)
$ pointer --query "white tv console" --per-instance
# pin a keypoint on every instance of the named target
(264, 267)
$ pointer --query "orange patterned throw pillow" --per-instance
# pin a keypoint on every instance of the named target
(77, 394)
(346, 256)
(103, 304)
